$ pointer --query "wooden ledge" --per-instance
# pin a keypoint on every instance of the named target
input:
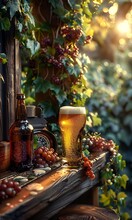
(57, 189)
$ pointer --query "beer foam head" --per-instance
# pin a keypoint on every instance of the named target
(72, 110)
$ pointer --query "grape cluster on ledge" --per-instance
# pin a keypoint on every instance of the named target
(8, 188)
(44, 157)
(95, 143)
(88, 167)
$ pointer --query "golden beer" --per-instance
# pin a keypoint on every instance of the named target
(72, 121)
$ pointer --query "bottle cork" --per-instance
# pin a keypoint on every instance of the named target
(4, 155)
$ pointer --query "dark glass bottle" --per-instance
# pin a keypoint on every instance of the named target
(21, 138)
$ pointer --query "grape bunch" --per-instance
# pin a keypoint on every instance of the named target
(8, 188)
(60, 51)
(46, 41)
(71, 34)
(88, 167)
(72, 50)
(44, 157)
(97, 143)
(56, 79)
(55, 61)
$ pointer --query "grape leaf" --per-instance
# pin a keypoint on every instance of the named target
(121, 195)
(61, 97)
(33, 46)
(14, 7)
(125, 216)
(41, 84)
(129, 92)
(3, 58)
(48, 109)
(96, 120)
(105, 200)
(111, 193)
(97, 1)
(88, 92)
(129, 106)
(124, 180)
(5, 24)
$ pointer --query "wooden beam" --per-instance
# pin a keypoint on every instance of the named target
(12, 77)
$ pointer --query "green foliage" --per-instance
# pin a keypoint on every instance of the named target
(95, 119)
(33, 46)
(13, 6)
(125, 112)
(3, 60)
(57, 68)
(113, 185)
(19, 9)
(20, 12)
(111, 98)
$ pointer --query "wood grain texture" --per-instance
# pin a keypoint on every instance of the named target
(85, 212)
(11, 72)
(1, 120)
(1, 85)
(60, 188)
(13, 75)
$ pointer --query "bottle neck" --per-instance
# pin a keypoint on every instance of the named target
(21, 113)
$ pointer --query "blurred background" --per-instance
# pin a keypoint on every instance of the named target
(111, 78)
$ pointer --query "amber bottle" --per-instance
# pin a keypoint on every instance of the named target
(21, 139)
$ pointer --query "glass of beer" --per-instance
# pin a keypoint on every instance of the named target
(72, 121)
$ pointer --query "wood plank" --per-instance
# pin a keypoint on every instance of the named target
(60, 188)
(1, 121)
(1, 82)
(12, 76)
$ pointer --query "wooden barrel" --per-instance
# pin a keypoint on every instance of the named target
(86, 212)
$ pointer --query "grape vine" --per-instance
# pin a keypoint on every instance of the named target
(95, 143)
(113, 180)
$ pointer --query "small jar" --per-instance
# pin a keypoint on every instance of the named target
(31, 111)
(4, 156)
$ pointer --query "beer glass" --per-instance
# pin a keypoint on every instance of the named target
(72, 121)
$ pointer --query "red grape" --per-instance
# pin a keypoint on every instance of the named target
(15, 184)
(47, 156)
(44, 154)
(10, 184)
(2, 194)
(88, 167)
(3, 186)
(17, 188)
(9, 191)
(40, 150)
(98, 143)
(9, 188)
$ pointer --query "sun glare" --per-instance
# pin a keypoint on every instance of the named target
(113, 9)
(123, 27)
